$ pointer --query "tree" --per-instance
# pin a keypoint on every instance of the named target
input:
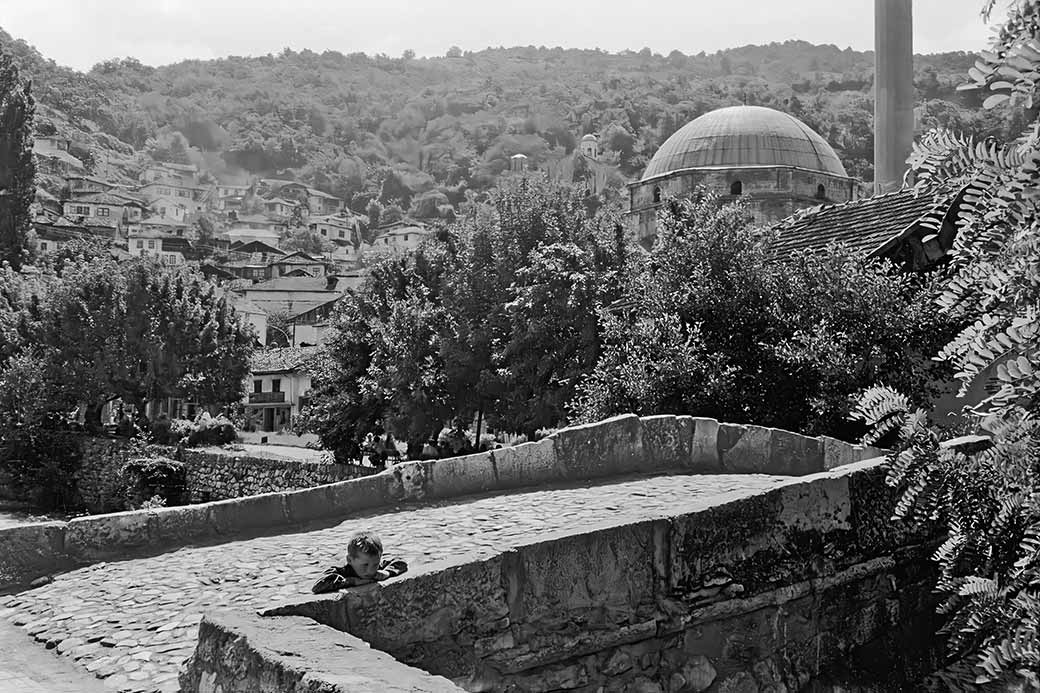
(307, 241)
(17, 165)
(985, 490)
(711, 324)
(454, 52)
(133, 330)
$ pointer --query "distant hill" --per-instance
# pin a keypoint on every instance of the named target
(419, 131)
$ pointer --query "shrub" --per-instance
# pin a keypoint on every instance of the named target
(153, 481)
(204, 430)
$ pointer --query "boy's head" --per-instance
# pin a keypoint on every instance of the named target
(364, 552)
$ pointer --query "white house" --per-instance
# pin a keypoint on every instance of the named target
(278, 387)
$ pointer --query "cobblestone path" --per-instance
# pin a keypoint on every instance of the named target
(134, 622)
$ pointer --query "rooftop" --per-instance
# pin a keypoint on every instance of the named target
(863, 226)
(105, 198)
(280, 359)
(741, 136)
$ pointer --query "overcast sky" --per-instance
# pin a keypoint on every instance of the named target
(80, 33)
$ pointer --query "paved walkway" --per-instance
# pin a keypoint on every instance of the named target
(28, 668)
(134, 622)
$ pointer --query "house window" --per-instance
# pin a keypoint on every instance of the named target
(162, 212)
(151, 244)
(82, 211)
(43, 247)
(102, 211)
(341, 234)
(657, 193)
(258, 386)
(140, 244)
(736, 188)
(821, 192)
(324, 232)
(406, 238)
(386, 241)
(276, 384)
(180, 232)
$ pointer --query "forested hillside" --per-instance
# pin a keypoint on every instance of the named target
(413, 130)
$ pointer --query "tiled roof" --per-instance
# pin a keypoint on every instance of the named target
(105, 198)
(863, 226)
(281, 359)
(295, 258)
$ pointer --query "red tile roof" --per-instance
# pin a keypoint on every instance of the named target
(864, 226)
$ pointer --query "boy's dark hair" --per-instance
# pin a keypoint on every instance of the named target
(366, 543)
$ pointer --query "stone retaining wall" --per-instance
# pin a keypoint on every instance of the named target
(209, 475)
(618, 446)
(762, 593)
(214, 476)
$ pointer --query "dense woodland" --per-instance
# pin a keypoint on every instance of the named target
(421, 132)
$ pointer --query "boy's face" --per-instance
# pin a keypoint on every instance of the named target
(364, 564)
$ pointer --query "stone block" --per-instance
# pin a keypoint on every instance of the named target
(309, 504)
(175, 525)
(409, 481)
(666, 442)
(836, 453)
(249, 513)
(820, 505)
(460, 476)
(794, 454)
(430, 620)
(600, 578)
(606, 448)
(29, 551)
(744, 449)
(100, 536)
(367, 492)
(527, 464)
(704, 446)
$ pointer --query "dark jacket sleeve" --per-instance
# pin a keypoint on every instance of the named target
(336, 579)
(393, 566)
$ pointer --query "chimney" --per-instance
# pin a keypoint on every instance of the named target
(893, 92)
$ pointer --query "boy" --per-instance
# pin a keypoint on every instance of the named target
(365, 565)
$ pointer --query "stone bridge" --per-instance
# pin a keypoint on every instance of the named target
(655, 554)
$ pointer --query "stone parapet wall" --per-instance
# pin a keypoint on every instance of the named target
(214, 475)
(614, 447)
(761, 593)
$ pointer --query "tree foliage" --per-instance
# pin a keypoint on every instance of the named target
(17, 164)
(712, 324)
(133, 330)
(496, 320)
(987, 489)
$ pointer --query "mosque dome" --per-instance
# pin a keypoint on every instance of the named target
(589, 138)
(744, 136)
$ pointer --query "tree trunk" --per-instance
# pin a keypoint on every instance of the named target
(476, 438)
(92, 417)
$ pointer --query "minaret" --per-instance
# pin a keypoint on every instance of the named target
(893, 92)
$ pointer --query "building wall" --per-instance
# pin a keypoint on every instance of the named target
(773, 193)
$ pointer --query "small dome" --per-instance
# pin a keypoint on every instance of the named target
(740, 136)
(589, 138)
(518, 156)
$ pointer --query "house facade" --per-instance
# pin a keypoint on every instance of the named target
(278, 387)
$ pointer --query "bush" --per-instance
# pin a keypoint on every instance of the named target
(204, 430)
(153, 481)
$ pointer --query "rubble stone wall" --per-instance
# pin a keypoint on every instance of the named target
(761, 593)
(214, 476)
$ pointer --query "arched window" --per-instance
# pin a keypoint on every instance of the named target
(736, 188)
(821, 192)
(657, 193)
